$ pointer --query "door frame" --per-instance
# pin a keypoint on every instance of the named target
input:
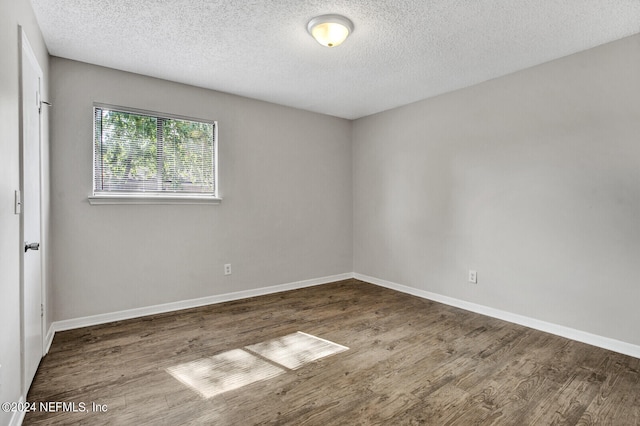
(26, 50)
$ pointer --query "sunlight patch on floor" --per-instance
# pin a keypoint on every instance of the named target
(224, 372)
(240, 367)
(295, 350)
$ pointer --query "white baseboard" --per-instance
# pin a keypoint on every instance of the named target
(559, 330)
(48, 339)
(186, 304)
(18, 416)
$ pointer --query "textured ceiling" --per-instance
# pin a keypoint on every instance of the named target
(400, 51)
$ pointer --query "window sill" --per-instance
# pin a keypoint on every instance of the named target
(142, 198)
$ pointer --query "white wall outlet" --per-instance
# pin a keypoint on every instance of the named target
(473, 277)
(227, 269)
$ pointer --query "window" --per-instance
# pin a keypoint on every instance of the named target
(141, 156)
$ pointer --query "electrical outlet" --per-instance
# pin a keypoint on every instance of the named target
(227, 269)
(473, 277)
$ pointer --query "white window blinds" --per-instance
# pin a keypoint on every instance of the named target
(138, 153)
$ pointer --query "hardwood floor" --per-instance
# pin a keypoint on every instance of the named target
(410, 362)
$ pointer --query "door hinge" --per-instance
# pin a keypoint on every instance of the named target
(41, 310)
(17, 202)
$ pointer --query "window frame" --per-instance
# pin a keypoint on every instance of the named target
(141, 197)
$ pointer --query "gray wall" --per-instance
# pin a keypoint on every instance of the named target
(532, 179)
(12, 14)
(285, 179)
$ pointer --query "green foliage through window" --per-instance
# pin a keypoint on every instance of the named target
(136, 153)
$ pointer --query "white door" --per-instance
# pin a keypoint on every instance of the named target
(32, 267)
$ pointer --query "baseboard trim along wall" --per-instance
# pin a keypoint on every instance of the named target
(186, 304)
(48, 339)
(559, 330)
(18, 416)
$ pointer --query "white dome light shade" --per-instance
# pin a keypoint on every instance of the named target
(330, 30)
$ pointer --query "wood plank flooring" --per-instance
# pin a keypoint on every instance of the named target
(410, 362)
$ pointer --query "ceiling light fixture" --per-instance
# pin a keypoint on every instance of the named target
(330, 30)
